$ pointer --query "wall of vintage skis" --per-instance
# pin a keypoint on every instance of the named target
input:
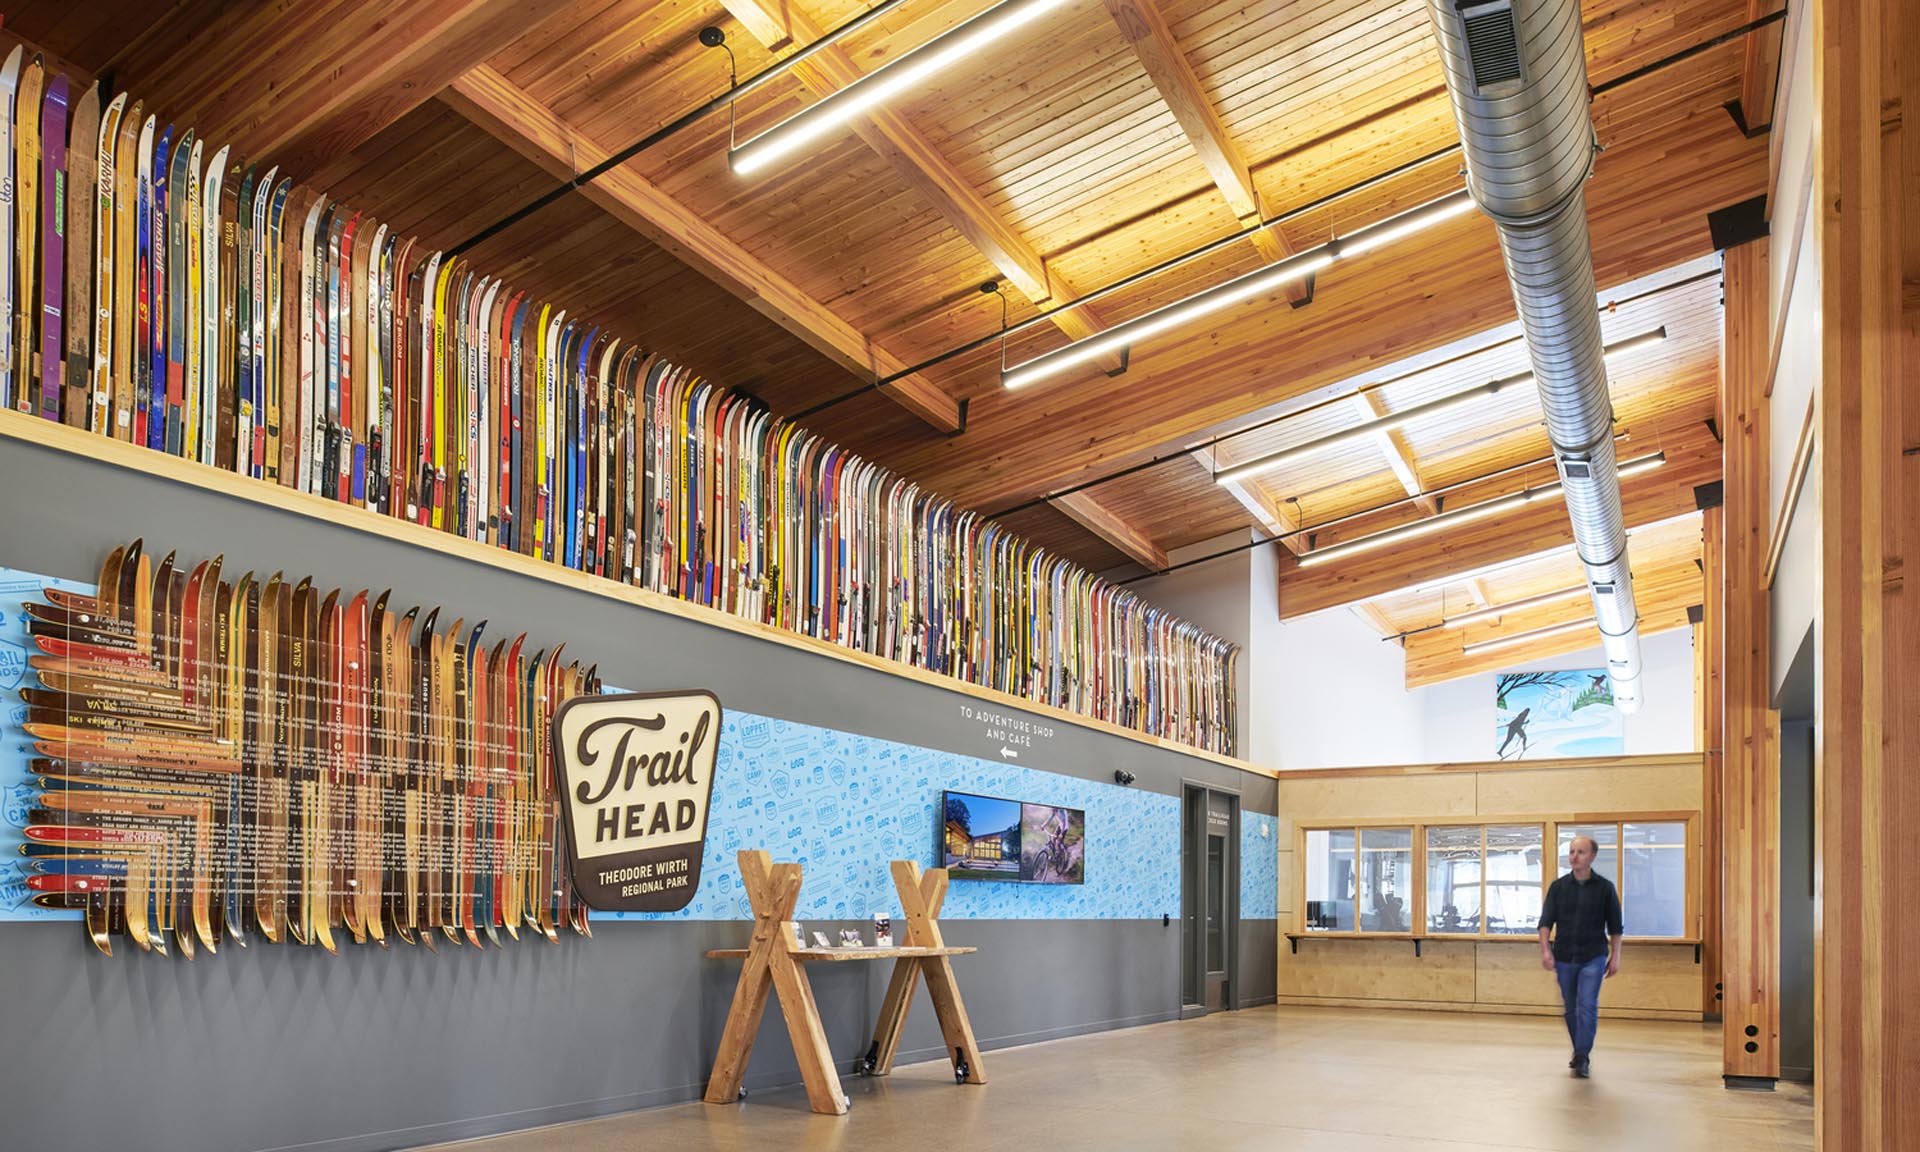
(167, 292)
(256, 758)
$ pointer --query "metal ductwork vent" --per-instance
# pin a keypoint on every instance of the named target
(1517, 74)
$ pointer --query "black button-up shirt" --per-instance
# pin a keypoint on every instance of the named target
(1583, 916)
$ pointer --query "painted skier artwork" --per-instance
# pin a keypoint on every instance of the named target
(1547, 715)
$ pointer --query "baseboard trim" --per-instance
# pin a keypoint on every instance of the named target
(1259, 1002)
(919, 1055)
(1797, 1075)
(1486, 1009)
(1749, 1083)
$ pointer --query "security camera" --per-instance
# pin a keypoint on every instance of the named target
(1122, 776)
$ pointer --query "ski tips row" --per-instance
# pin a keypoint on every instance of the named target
(165, 292)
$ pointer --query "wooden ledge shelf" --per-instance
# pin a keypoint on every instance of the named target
(833, 954)
(73, 441)
(1419, 938)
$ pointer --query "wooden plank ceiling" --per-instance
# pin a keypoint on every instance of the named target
(1115, 135)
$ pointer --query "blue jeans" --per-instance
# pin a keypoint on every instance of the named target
(1580, 992)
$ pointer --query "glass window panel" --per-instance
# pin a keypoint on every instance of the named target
(1453, 879)
(1330, 871)
(1606, 861)
(1513, 889)
(1653, 897)
(1386, 880)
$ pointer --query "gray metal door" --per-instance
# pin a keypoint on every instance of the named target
(1210, 887)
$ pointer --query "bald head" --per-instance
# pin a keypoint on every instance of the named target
(1580, 853)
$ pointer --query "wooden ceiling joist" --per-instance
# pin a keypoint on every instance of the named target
(1394, 449)
(305, 85)
(1760, 66)
(489, 100)
(777, 24)
(1376, 618)
(1425, 668)
(1089, 513)
(1527, 530)
(1146, 31)
(1276, 520)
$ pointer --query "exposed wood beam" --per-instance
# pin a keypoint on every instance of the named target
(1867, 794)
(1376, 311)
(1098, 519)
(303, 85)
(1481, 597)
(1153, 42)
(1276, 520)
(1399, 456)
(1376, 617)
(1760, 66)
(1525, 531)
(1664, 586)
(489, 100)
(1750, 801)
(778, 24)
(1424, 668)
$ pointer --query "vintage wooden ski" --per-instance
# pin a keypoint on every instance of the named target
(9, 253)
(83, 157)
(26, 203)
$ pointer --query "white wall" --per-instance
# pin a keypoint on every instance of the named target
(1338, 697)
(1325, 691)
(1328, 692)
(1794, 267)
(1459, 713)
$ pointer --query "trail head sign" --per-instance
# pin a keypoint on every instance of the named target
(636, 772)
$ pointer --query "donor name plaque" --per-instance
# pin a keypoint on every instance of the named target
(636, 772)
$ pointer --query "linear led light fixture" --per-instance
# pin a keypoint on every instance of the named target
(1257, 283)
(875, 88)
(1433, 583)
(1493, 610)
(1519, 638)
(1392, 420)
(1467, 515)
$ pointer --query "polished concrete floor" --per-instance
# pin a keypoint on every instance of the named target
(1275, 1079)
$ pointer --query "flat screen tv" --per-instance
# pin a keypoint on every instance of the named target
(988, 838)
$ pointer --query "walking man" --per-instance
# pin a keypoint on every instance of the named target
(1580, 943)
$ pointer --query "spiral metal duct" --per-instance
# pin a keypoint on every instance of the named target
(1517, 74)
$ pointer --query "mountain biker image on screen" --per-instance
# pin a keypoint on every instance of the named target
(1058, 858)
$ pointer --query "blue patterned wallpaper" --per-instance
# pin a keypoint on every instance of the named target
(1259, 867)
(16, 789)
(842, 804)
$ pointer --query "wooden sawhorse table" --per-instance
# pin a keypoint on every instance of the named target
(774, 961)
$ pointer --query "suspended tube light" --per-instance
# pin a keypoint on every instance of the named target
(1392, 420)
(876, 88)
(1261, 282)
(1519, 638)
(1435, 583)
(1493, 610)
(1467, 515)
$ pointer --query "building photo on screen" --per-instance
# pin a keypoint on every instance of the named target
(988, 838)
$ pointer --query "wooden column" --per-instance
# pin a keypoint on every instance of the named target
(1867, 715)
(1749, 795)
(1710, 652)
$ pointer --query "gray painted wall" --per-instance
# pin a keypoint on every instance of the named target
(281, 1047)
